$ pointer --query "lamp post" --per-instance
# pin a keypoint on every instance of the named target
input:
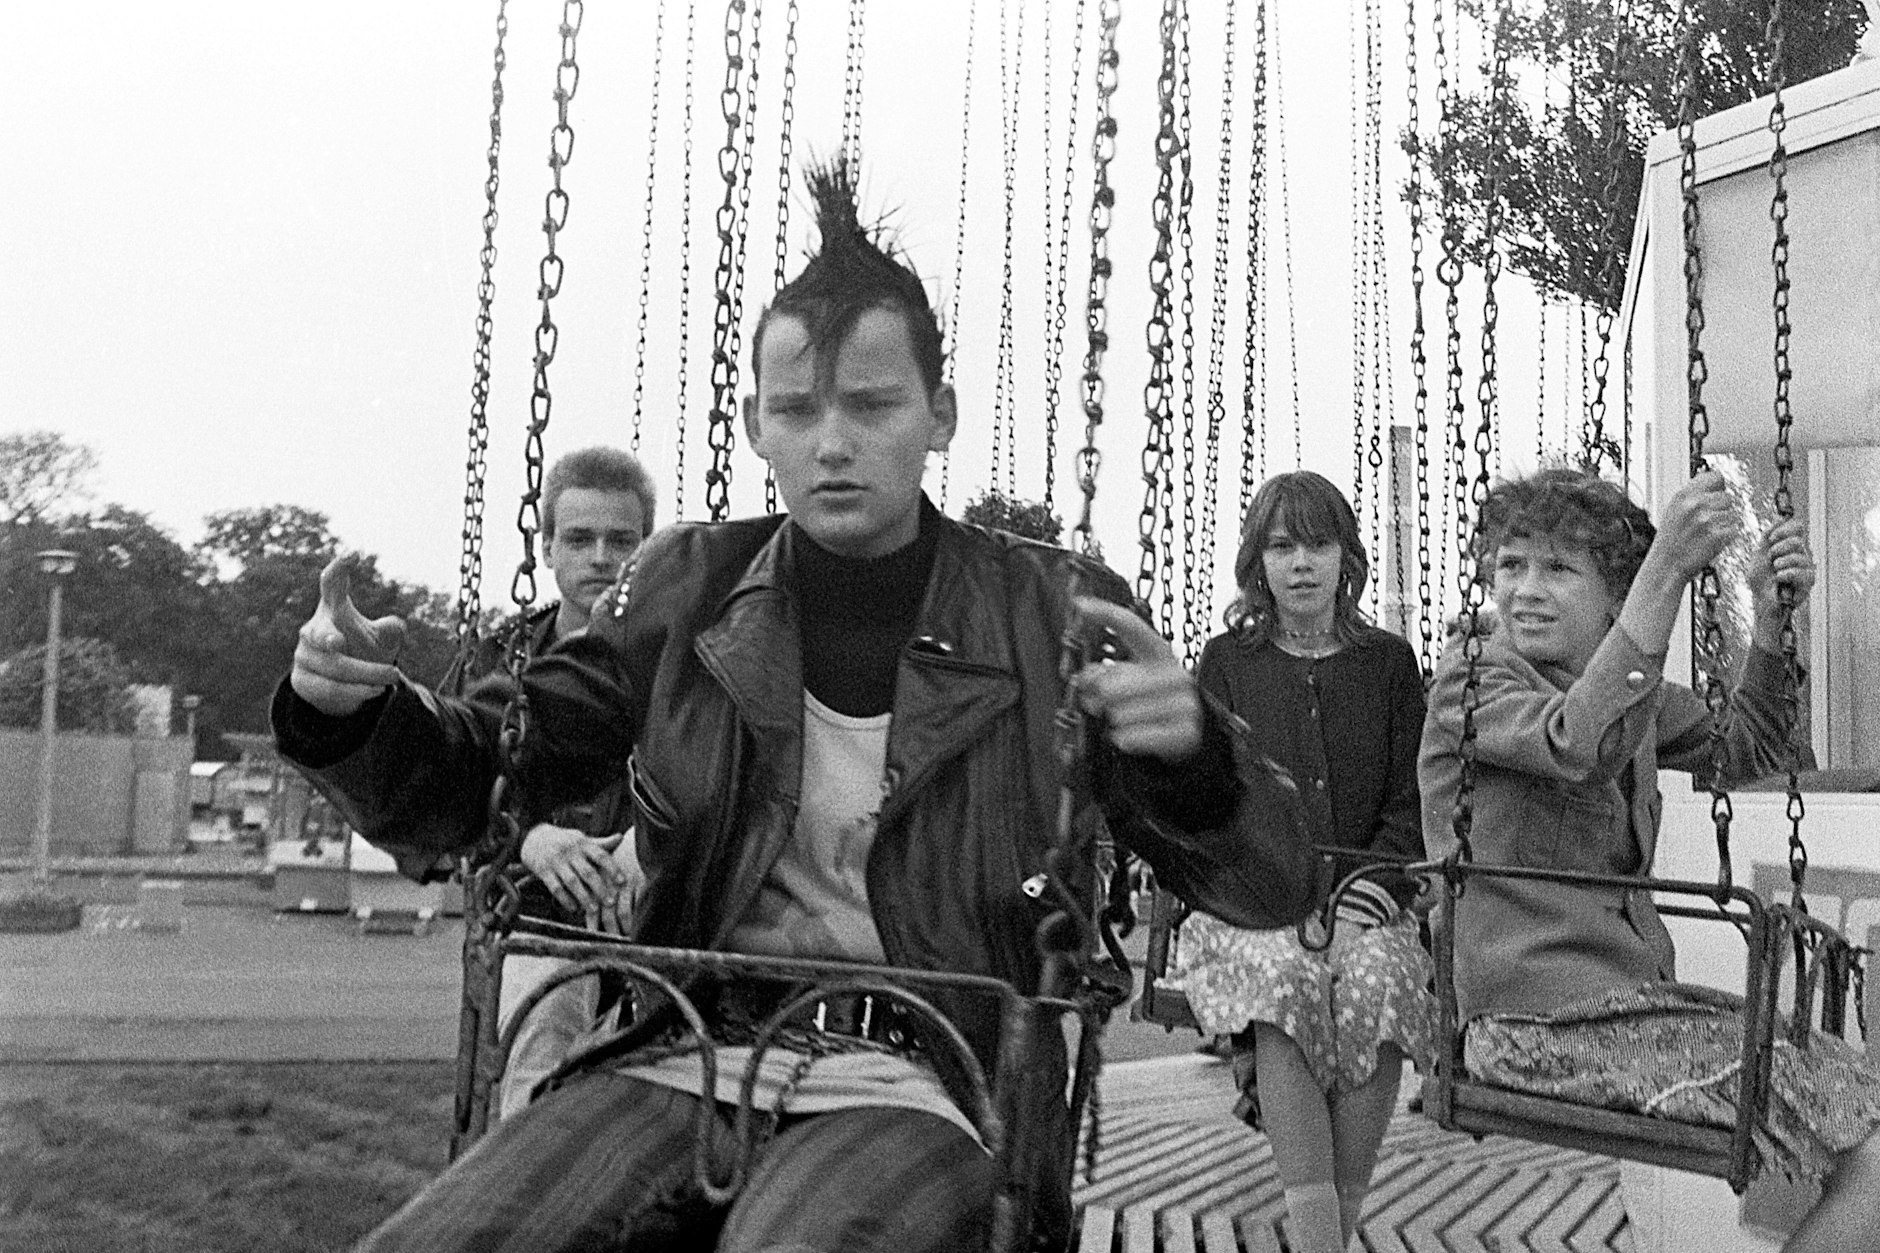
(57, 563)
(190, 705)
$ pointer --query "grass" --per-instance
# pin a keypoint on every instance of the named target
(214, 1158)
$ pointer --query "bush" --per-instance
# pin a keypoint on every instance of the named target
(1020, 517)
(94, 688)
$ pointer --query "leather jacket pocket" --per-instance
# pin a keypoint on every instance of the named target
(653, 815)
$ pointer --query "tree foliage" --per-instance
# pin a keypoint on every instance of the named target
(1562, 164)
(218, 621)
(1021, 517)
(94, 688)
(40, 471)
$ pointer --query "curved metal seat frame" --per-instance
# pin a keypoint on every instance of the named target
(1826, 963)
(1028, 1025)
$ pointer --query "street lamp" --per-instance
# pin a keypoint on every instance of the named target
(190, 705)
(57, 563)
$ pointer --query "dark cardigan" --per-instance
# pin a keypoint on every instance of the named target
(1347, 727)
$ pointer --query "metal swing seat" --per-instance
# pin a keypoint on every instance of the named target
(683, 982)
(1826, 964)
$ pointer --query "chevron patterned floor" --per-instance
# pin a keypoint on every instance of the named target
(1175, 1173)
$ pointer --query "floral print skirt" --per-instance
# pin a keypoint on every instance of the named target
(1676, 1050)
(1370, 988)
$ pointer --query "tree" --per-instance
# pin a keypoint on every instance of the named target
(94, 688)
(39, 472)
(134, 587)
(276, 553)
(1021, 517)
(1555, 166)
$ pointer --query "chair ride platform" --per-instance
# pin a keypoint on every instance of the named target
(1176, 1172)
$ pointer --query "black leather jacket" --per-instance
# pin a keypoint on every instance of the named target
(696, 673)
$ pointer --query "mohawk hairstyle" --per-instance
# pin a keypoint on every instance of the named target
(854, 269)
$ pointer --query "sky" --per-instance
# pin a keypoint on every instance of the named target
(242, 242)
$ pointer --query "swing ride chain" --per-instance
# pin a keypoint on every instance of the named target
(1419, 361)
(1005, 393)
(1068, 937)
(1709, 591)
(1360, 272)
(1473, 587)
(1380, 309)
(476, 465)
(646, 233)
(685, 268)
(1784, 455)
(1253, 394)
(1217, 325)
(504, 832)
(1054, 357)
(1157, 458)
(1096, 309)
(1449, 274)
(852, 90)
(1199, 578)
(738, 105)
(959, 229)
(547, 336)
(1599, 446)
(785, 146)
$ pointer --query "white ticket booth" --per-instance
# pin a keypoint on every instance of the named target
(1832, 136)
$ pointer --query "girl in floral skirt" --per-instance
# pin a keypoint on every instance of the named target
(1338, 703)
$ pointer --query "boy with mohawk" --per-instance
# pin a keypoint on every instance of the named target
(842, 729)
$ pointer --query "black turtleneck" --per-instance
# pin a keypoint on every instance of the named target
(857, 614)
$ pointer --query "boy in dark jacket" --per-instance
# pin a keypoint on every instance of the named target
(843, 732)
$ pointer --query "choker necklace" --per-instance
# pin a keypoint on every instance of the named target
(1305, 635)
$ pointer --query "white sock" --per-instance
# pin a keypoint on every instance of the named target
(1314, 1220)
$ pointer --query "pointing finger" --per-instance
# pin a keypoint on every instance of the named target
(1139, 640)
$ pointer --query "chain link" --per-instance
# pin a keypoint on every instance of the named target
(1419, 360)
(685, 267)
(1776, 38)
(1253, 396)
(1360, 270)
(1158, 391)
(646, 232)
(1059, 305)
(1096, 308)
(786, 154)
(1285, 235)
(515, 724)
(1217, 329)
(1449, 274)
(476, 463)
(852, 91)
(1005, 397)
(1471, 583)
(1598, 446)
(959, 228)
(738, 105)
(1710, 645)
(1379, 305)
(1198, 580)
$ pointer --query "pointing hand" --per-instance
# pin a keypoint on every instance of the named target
(1147, 695)
(344, 659)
